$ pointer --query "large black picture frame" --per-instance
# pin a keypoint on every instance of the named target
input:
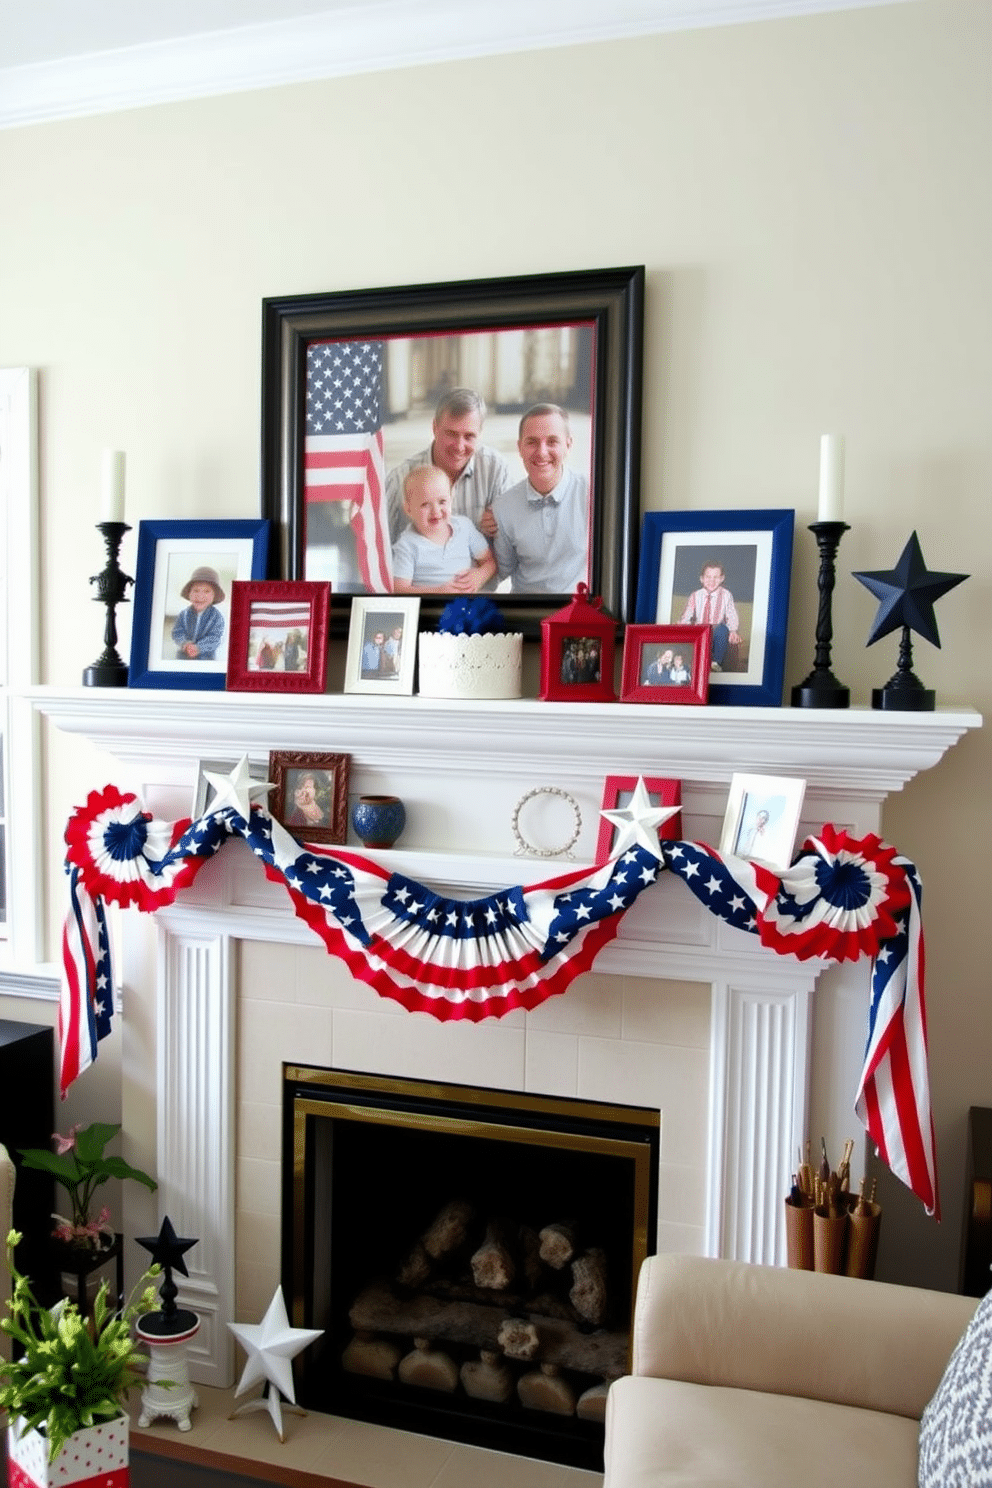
(611, 301)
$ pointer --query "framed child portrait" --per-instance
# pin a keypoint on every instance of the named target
(728, 571)
(278, 637)
(762, 817)
(382, 646)
(665, 664)
(180, 635)
(310, 797)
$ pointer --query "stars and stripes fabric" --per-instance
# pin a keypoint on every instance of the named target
(472, 959)
(343, 447)
(841, 899)
(86, 998)
(893, 1098)
(458, 959)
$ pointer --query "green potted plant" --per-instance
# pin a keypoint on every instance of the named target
(79, 1165)
(72, 1376)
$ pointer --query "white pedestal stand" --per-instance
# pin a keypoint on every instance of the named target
(167, 1362)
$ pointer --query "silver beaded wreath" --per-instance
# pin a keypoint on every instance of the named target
(523, 846)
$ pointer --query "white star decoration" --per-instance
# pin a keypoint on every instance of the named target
(638, 823)
(237, 789)
(271, 1345)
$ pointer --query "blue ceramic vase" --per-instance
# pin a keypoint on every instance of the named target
(378, 820)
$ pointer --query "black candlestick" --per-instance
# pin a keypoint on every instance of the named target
(109, 670)
(904, 692)
(821, 688)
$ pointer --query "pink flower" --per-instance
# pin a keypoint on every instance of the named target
(66, 1144)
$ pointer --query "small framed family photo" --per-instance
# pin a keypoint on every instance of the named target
(382, 646)
(762, 817)
(181, 631)
(665, 664)
(618, 792)
(310, 797)
(728, 571)
(278, 637)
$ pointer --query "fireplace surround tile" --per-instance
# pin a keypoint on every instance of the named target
(552, 1063)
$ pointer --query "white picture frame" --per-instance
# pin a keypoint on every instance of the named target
(762, 818)
(386, 625)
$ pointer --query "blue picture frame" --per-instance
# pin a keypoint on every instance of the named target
(754, 551)
(170, 553)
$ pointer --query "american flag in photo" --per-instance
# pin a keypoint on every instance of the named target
(343, 449)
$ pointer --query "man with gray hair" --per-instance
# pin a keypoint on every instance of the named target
(542, 537)
(477, 473)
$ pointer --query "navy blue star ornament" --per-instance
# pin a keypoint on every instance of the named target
(907, 595)
(168, 1249)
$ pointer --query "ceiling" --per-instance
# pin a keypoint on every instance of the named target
(60, 58)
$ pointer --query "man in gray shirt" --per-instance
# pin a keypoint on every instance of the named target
(477, 474)
(542, 536)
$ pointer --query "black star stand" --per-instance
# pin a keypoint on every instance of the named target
(109, 670)
(167, 1334)
(904, 692)
(821, 688)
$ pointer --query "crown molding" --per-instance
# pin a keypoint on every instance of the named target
(355, 38)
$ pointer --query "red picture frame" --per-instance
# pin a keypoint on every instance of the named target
(667, 792)
(278, 636)
(648, 649)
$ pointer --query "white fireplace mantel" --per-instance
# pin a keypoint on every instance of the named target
(781, 1062)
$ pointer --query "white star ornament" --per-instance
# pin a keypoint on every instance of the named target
(271, 1345)
(638, 823)
(237, 789)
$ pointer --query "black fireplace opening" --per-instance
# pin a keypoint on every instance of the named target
(470, 1255)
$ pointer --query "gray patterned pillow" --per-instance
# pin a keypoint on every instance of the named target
(956, 1429)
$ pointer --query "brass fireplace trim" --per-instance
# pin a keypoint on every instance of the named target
(514, 1100)
(639, 1153)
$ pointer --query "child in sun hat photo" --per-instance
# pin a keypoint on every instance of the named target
(199, 628)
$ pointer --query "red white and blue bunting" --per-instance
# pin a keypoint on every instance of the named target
(841, 899)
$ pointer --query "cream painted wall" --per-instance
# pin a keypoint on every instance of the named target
(810, 199)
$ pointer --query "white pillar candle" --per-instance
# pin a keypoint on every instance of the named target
(831, 508)
(112, 489)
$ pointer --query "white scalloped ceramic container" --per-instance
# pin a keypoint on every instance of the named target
(470, 666)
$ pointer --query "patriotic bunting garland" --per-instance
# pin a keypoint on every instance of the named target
(455, 959)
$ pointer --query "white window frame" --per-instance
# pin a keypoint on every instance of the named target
(22, 948)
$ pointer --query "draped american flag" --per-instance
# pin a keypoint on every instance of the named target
(343, 450)
(893, 1097)
(87, 995)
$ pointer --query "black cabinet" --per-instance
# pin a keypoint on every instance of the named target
(27, 1119)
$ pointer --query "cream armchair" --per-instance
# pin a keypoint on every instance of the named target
(6, 1220)
(757, 1376)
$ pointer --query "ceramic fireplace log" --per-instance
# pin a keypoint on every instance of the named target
(378, 1309)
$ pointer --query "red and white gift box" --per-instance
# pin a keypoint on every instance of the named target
(95, 1457)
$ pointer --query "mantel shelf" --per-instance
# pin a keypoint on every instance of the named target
(860, 750)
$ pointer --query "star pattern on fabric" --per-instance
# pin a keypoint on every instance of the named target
(237, 789)
(713, 883)
(271, 1346)
(637, 823)
(908, 594)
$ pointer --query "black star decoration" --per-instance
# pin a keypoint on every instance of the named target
(908, 594)
(168, 1248)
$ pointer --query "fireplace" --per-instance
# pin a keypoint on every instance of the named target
(744, 1052)
(471, 1255)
